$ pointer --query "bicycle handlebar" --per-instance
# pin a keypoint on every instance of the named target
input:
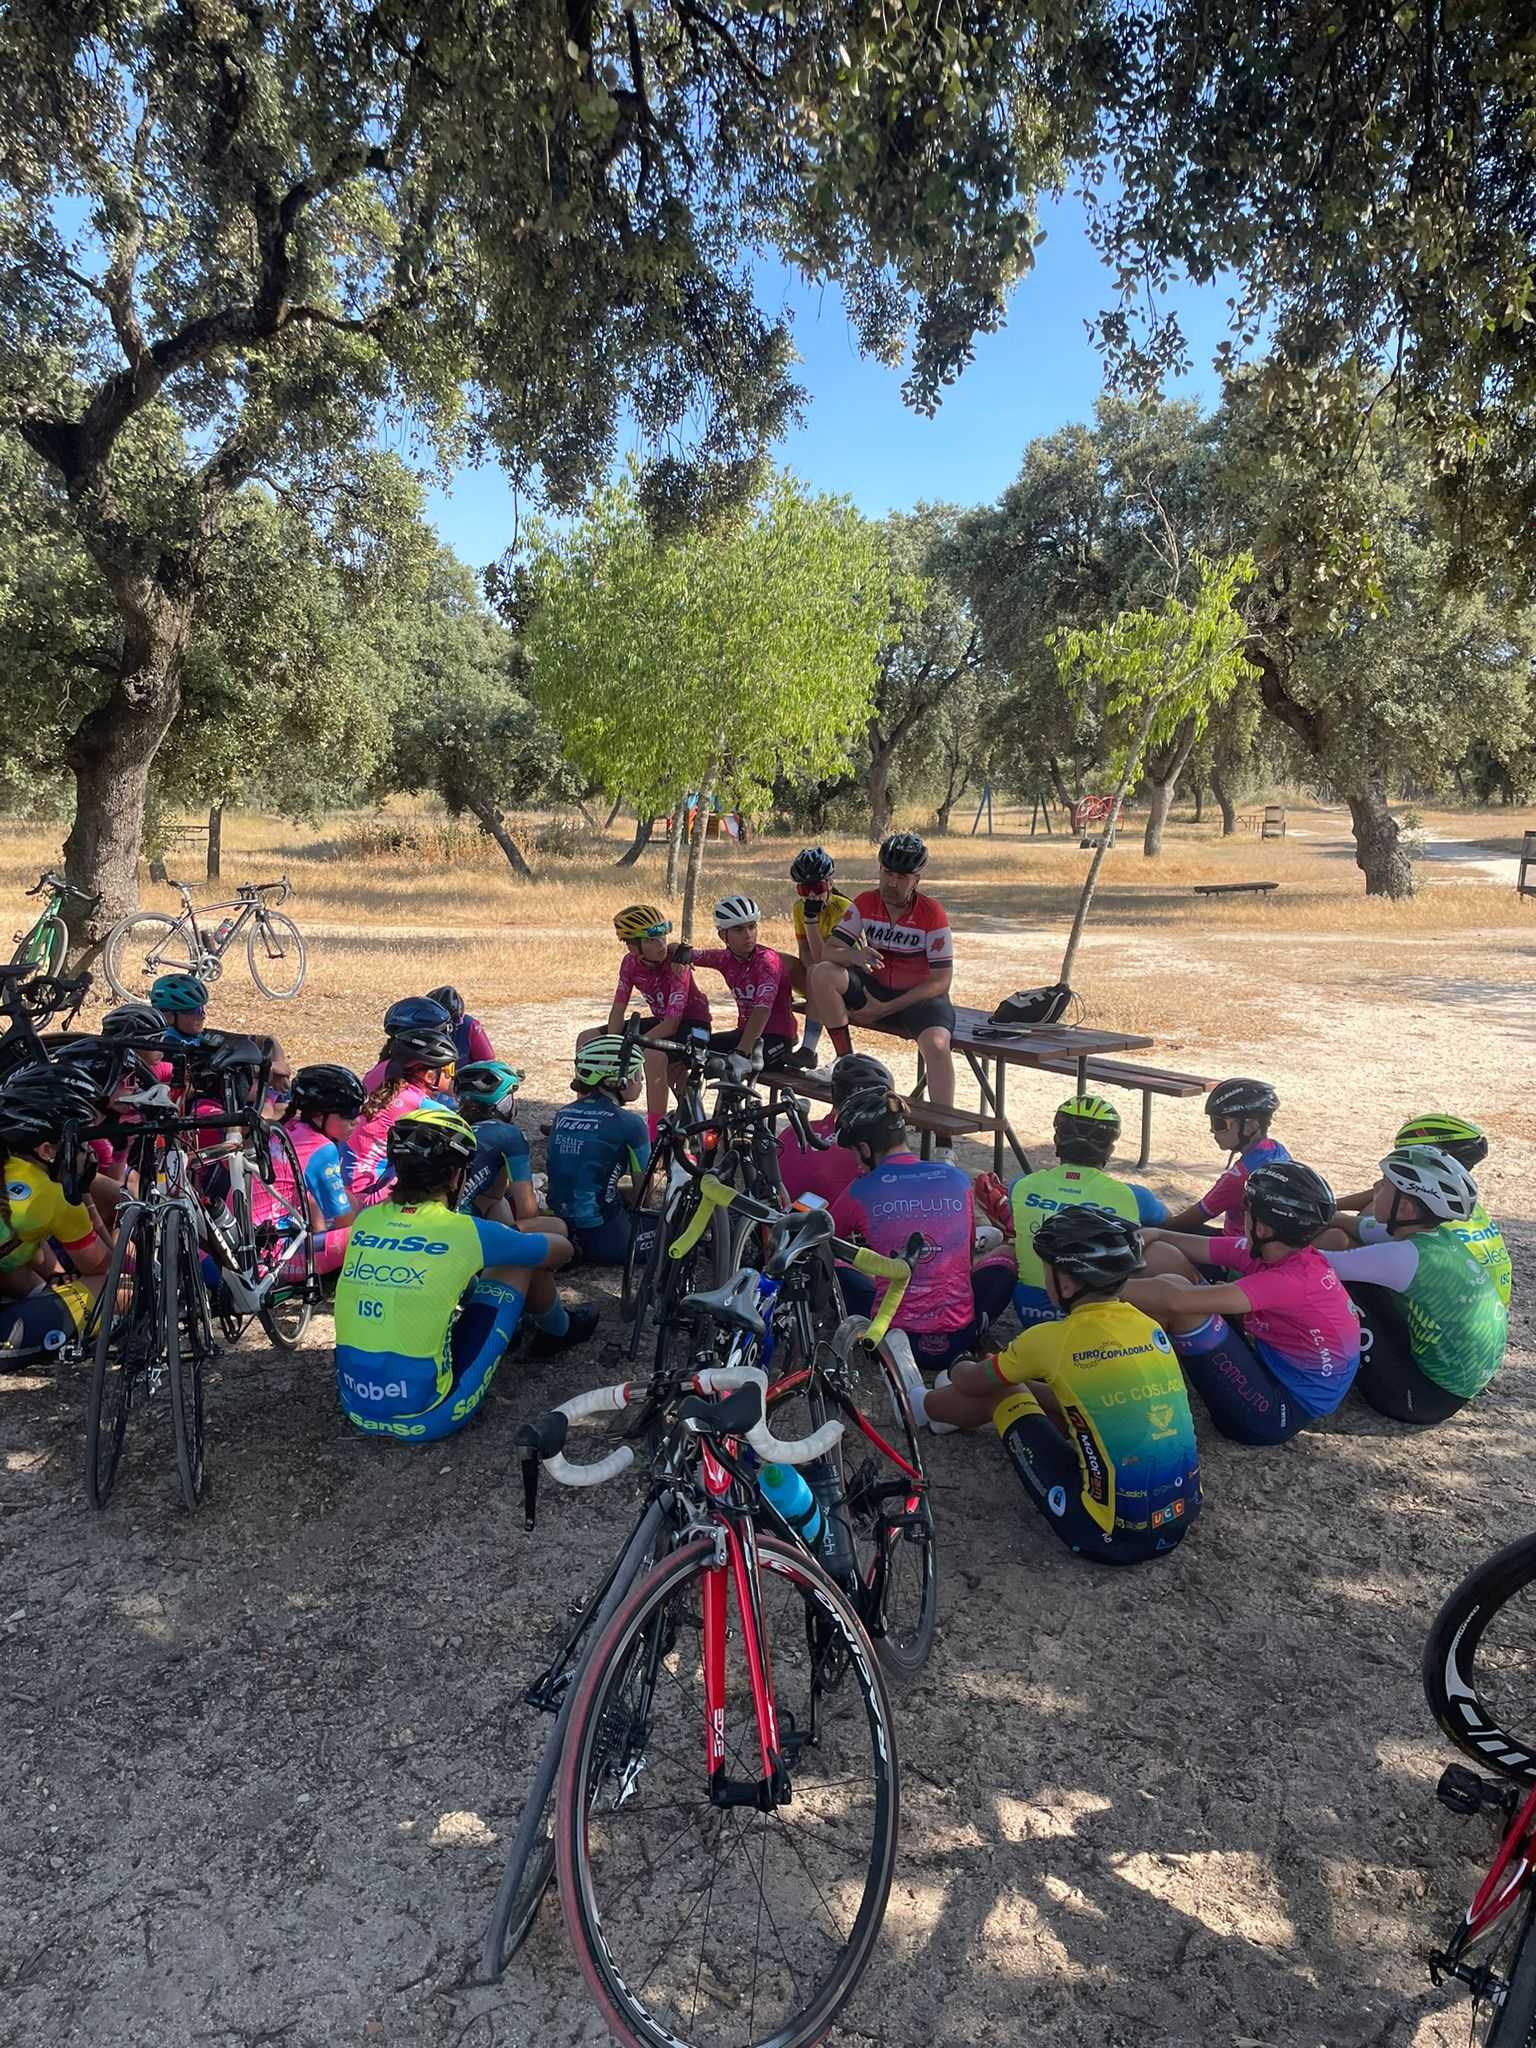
(255, 889)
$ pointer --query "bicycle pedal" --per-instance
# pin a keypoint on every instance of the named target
(1464, 1792)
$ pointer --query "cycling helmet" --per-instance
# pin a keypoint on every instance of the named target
(607, 1060)
(1434, 1179)
(731, 911)
(173, 993)
(486, 1082)
(1456, 1136)
(426, 1045)
(903, 853)
(641, 921)
(434, 1139)
(855, 1070)
(326, 1090)
(1092, 1110)
(1294, 1200)
(872, 1117)
(811, 865)
(414, 1013)
(1090, 1243)
(134, 1024)
(449, 1000)
(1241, 1099)
(90, 1061)
(38, 1103)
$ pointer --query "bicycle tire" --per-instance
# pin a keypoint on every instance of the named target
(650, 1200)
(45, 945)
(286, 1315)
(643, 1629)
(146, 931)
(188, 1346)
(1462, 1679)
(121, 1329)
(1514, 2019)
(263, 963)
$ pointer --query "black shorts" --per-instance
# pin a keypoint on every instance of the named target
(1388, 1380)
(775, 1046)
(916, 1017)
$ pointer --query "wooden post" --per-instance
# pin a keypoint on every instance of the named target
(215, 840)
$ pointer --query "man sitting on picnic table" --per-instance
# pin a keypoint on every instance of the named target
(891, 961)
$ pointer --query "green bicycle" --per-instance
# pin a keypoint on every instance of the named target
(46, 941)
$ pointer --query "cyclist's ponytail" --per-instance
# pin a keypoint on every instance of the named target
(382, 1096)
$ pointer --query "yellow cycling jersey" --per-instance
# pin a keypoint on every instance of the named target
(837, 908)
(1114, 1375)
(34, 1210)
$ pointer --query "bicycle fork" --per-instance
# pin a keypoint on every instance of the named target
(736, 1564)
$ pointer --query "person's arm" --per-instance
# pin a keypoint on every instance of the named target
(530, 1249)
(622, 993)
(1161, 1295)
(936, 982)
(480, 1046)
(637, 1144)
(752, 1029)
(1353, 1203)
(1195, 1245)
(1392, 1264)
(847, 946)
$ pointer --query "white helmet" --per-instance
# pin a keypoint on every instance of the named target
(1442, 1184)
(733, 910)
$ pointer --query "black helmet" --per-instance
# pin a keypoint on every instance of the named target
(1091, 1243)
(812, 864)
(435, 1139)
(872, 1117)
(135, 1024)
(38, 1103)
(414, 1013)
(326, 1090)
(1241, 1099)
(449, 1000)
(903, 853)
(95, 1062)
(854, 1070)
(425, 1046)
(1294, 1200)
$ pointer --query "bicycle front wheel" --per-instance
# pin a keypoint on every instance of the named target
(44, 946)
(1480, 1662)
(188, 1347)
(719, 1924)
(142, 947)
(274, 949)
(126, 1348)
(889, 1509)
(1511, 2020)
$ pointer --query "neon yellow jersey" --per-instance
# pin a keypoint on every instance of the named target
(837, 908)
(1038, 1195)
(1113, 1371)
(36, 1209)
(1484, 1240)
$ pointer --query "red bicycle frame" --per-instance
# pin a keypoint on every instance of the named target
(739, 1567)
(1511, 1872)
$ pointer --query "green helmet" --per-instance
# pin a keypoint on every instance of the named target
(1463, 1140)
(606, 1060)
(1090, 1109)
(437, 1139)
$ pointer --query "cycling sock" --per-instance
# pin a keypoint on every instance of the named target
(652, 1119)
(810, 1038)
(841, 1036)
(553, 1321)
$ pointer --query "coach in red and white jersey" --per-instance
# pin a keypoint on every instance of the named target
(890, 961)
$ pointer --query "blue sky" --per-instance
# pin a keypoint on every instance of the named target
(1039, 373)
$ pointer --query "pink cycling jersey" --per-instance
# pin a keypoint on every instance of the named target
(761, 981)
(670, 993)
(363, 1155)
(817, 1173)
(903, 1194)
(1226, 1198)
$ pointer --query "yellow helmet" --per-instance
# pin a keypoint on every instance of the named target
(641, 921)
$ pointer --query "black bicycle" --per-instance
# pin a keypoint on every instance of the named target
(146, 944)
(37, 1008)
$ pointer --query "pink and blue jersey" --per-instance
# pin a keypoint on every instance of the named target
(903, 1194)
(363, 1156)
(670, 993)
(760, 982)
(1301, 1321)
(1226, 1198)
(807, 1172)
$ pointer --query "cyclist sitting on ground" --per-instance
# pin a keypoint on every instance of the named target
(1462, 1141)
(891, 961)
(429, 1299)
(470, 1037)
(182, 1000)
(410, 1013)
(54, 1251)
(805, 1171)
(417, 1069)
(321, 1115)
(819, 910)
(499, 1183)
(674, 1000)
(1092, 1408)
(1083, 1133)
(1277, 1345)
(593, 1142)
(757, 977)
(948, 1303)
(1433, 1326)
(1240, 1112)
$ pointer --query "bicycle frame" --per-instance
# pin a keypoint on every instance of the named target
(248, 903)
(737, 1538)
(1513, 1871)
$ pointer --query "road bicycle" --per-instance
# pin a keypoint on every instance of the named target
(148, 943)
(1480, 1681)
(29, 1003)
(725, 1828)
(46, 941)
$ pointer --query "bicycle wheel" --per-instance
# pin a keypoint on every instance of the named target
(641, 1265)
(282, 1240)
(141, 947)
(188, 1347)
(1480, 1662)
(127, 1347)
(666, 1280)
(1511, 2021)
(716, 1924)
(274, 949)
(45, 945)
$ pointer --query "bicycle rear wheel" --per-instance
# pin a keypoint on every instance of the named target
(188, 1347)
(283, 1240)
(1512, 2020)
(1480, 1662)
(722, 1925)
(274, 950)
(142, 947)
(127, 1347)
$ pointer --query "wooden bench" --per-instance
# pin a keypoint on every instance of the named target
(1149, 1081)
(932, 1119)
(1233, 888)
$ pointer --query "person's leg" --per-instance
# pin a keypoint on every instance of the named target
(1246, 1402)
(1388, 1379)
(933, 1042)
(655, 1088)
(831, 989)
(1167, 1258)
(992, 1284)
(1048, 1469)
(800, 982)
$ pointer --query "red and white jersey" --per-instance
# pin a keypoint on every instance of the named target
(910, 944)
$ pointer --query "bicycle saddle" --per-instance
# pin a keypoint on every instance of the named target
(731, 1304)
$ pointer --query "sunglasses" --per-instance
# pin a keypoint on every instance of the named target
(810, 889)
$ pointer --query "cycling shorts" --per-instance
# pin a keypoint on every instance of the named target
(486, 1324)
(607, 1243)
(1048, 1469)
(38, 1326)
(1247, 1403)
(1388, 1379)
(937, 1350)
(775, 1046)
(916, 1017)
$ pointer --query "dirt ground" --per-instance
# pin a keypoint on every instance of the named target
(260, 1760)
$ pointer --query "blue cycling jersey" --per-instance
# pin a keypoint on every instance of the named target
(496, 1144)
(591, 1143)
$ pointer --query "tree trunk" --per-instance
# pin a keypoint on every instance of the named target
(490, 820)
(941, 818)
(1063, 795)
(618, 805)
(1163, 774)
(877, 787)
(1199, 799)
(1223, 797)
(1378, 854)
(215, 841)
(1091, 879)
(696, 847)
(644, 827)
(675, 841)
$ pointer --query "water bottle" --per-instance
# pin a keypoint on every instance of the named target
(788, 1492)
(223, 929)
(836, 1545)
